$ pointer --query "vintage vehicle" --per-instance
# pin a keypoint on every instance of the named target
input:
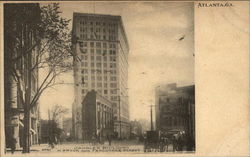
(152, 141)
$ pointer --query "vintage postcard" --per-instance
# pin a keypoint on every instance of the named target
(168, 78)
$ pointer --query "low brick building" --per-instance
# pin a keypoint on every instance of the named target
(97, 116)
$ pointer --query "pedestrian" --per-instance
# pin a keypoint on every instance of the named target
(109, 139)
(51, 142)
(166, 143)
(93, 139)
(13, 142)
(180, 143)
(175, 145)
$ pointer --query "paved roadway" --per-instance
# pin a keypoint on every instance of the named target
(130, 146)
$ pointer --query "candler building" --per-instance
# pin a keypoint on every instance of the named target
(101, 63)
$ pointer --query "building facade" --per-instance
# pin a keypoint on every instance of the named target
(135, 129)
(101, 63)
(20, 80)
(97, 116)
(175, 109)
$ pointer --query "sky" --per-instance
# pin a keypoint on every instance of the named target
(157, 56)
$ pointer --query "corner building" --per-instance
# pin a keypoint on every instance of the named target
(175, 109)
(101, 63)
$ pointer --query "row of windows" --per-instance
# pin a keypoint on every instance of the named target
(171, 121)
(104, 91)
(98, 58)
(98, 65)
(97, 30)
(97, 36)
(98, 71)
(97, 23)
(98, 51)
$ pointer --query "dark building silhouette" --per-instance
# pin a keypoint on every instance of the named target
(20, 33)
(175, 109)
(97, 116)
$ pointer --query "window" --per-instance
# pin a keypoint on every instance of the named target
(84, 64)
(110, 52)
(83, 91)
(105, 65)
(105, 91)
(99, 91)
(98, 44)
(92, 71)
(98, 58)
(81, 44)
(105, 58)
(84, 51)
(113, 91)
(92, 58)
(105, 45)
(93, 84)
(85, 77)
(98, 51)
(113, 85)
(112, 78)
(105, 85)
(112, 65)
(92, 64)
(99, 78)
(98, 29)
(98, 64)
(104, 52)
(92, 44)
(84, 71)
(85, 85)
(105, 78)
(84, 57)
(92, 77)
(99, 84)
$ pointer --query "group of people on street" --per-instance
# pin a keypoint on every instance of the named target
(52, 140)
(99, 139)
(179, 141)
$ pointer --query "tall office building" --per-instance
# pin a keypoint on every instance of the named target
(101, 63)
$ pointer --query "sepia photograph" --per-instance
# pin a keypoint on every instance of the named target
(99, 77)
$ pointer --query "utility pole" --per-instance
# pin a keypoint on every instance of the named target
(151, 117)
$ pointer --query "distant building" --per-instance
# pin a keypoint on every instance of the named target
(101, 63)
(175, 109)
(135, 129)
(145, 125)
(67, 127)
(97, 116)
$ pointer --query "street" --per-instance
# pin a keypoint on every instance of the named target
(128, 146)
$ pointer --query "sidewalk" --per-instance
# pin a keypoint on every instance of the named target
(33, 148)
